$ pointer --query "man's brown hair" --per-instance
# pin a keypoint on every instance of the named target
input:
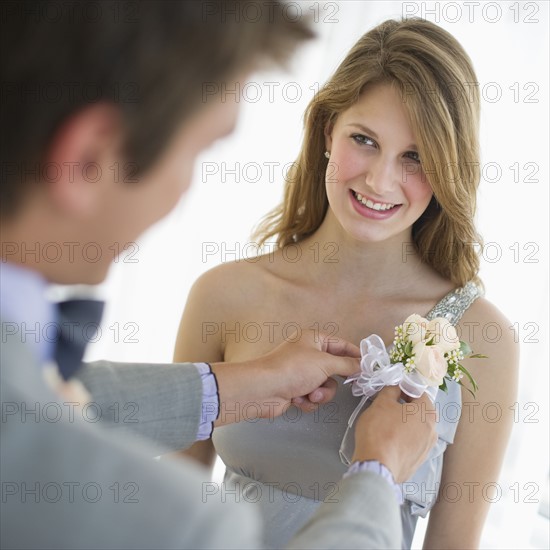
(153, 59)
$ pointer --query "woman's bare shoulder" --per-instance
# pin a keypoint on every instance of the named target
(488, 331)
(231, 284)
(484, 314)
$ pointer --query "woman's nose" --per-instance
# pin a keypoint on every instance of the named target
(382, 176)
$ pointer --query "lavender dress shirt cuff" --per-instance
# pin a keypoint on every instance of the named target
(210, 401)
(375, 466)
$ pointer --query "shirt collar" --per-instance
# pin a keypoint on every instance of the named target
(24, 306)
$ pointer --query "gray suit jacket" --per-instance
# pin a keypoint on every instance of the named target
(86, 479)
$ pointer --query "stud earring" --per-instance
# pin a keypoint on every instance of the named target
(327, 154)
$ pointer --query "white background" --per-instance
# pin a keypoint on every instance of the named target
(508, 43)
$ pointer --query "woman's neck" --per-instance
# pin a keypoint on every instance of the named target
(383, 268)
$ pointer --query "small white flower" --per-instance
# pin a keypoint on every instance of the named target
(457, 375)
(409, 364)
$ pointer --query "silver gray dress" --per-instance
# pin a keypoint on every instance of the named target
(290, 464)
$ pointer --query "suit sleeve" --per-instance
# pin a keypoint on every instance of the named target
(366, 516)
(161, 402)
(78, 486)
(81, 485)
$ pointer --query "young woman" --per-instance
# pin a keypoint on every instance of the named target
(376, 224)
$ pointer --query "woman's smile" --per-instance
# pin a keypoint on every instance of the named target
(372, 209)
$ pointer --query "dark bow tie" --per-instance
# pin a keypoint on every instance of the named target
(78, 322)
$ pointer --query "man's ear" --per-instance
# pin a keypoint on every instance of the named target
(77, 162)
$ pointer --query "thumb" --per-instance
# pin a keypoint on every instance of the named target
(343, 366)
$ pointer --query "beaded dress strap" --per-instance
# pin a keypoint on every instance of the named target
(454, 304)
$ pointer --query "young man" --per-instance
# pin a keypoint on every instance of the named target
(107, 157)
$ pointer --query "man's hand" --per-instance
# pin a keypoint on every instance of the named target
(398, 435)
(298, 371)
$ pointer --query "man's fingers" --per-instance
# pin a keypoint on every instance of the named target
(338, 346)
(346, 355)
(342, 366)
(425, 402)
(426, 406)
(324, 393)
(304, 404)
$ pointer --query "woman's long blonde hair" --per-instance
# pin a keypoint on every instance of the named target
(438, 86)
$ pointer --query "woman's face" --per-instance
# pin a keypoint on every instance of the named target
(375, 185)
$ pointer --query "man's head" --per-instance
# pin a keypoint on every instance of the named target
(104, 111)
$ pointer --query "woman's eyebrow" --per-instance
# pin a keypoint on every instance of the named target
(372, 133)
(364, 129)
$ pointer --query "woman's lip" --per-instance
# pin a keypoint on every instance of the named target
(374, 200)
(367, 212)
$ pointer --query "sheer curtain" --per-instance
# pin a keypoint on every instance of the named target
(241, 178)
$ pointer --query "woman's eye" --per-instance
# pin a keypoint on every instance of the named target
(363, 140)
(413, 155)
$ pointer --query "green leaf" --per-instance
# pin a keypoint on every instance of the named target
(478, 356)
(443, 386)
(408, 348)
(465, 348)
(470, 378)
(461, 384)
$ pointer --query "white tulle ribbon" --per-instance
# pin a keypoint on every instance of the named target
(378, 371)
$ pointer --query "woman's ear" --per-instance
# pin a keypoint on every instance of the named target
(328, 135)
(76, 169)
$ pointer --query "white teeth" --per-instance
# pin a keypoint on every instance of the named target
(372, 205)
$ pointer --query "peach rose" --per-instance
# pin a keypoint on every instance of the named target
(446, 338)
(430, 363)
(415, 328)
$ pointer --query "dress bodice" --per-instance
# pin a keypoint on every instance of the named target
(295, 457)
